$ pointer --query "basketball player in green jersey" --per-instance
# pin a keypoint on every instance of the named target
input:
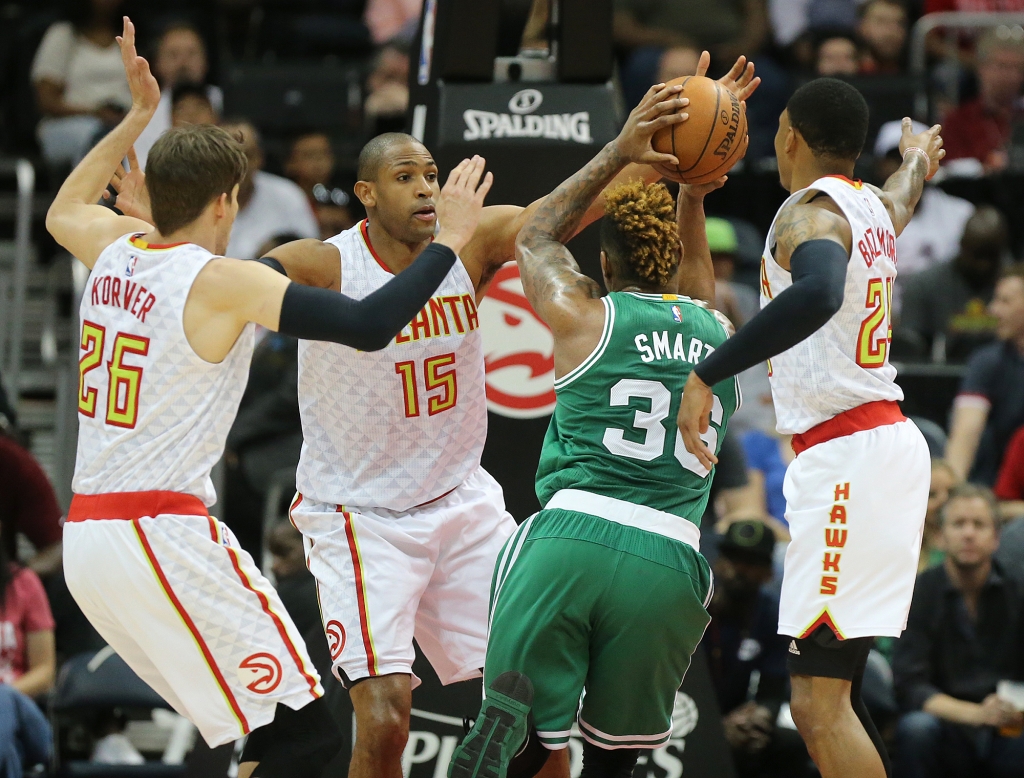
(604, 590)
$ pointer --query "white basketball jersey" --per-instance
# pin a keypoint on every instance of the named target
(398, 427)
(153, 415)
(846, 362)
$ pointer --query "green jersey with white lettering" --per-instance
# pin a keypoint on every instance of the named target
(613, 432)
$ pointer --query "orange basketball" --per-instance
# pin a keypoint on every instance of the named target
(712, 140)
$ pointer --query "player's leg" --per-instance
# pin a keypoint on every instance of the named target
(647, 624)
(296, 743)
(540, 630)
(371, 571)
(823, 674)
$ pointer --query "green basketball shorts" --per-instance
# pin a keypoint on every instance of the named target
(589, 608)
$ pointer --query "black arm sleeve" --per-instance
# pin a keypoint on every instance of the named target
(818, 268)
(368, 324)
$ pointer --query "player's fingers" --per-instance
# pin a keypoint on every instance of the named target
(703, 63)
(749, 89)
(661, 96)
(133, 159)
(737, 68)
(485, 187)
(456, 175)
(672, 104)
(653, 157)
(473, 173)
(665, 120)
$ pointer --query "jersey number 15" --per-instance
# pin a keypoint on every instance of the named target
(653, 424)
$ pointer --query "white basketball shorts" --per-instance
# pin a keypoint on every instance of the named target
(170, 590)
(385, 577)
(855, 505)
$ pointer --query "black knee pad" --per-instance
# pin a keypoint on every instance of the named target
(608, 763)
(531, 758)
(823, 655)
(296, 744)
(861, 709)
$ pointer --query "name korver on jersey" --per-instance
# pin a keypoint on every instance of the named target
(447, 315)
(877, 242)
(122, 293)
(659, 346)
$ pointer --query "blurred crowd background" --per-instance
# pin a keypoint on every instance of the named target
(948, 695)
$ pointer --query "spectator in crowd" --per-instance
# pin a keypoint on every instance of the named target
(741, 640)
(933, 234)
(990, 405)
(654, 65)
(28, 506)
(981, 128)
(311, 165)
(268, 205)
(387, 89)
(727, 28)
(836, 54)
(769, 455)
(190, 104)
(945, 308)
(882, 26)
(265, 437)
(26, 739)
(788, 20)
(965, 633)
(27, 653)
(676, 62)
(944, 480)
(180, 59)
(737, 301)
(79, 80)
(390, 19)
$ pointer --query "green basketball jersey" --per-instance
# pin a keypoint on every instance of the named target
(613, 432)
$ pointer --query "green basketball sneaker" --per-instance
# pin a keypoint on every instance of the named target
(499, 731)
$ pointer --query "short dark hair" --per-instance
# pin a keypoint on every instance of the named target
(969, 491)
(863, 8)
(831, 116)
(375, 152)
(186, 169)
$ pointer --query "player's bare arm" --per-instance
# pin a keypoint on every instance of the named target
(74, 219)
(922, 154)
(566, 299)
(494, 243)
(696, 270)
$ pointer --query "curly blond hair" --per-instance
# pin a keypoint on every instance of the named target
(640, 222)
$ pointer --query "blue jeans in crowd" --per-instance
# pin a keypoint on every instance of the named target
(928, 747)
(25, 736)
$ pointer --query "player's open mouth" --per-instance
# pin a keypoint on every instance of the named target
(425, 214)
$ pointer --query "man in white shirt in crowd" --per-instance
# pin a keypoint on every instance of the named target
(268, 205)
(933, 234)
(180, 59)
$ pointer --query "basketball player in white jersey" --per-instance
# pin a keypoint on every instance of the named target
(166, 341)
(857, 492)
(402, 526)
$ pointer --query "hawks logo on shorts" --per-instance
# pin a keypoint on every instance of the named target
(335, 638)
(260, 673)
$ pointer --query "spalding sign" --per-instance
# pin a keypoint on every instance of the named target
(519, 351)
(521, 122)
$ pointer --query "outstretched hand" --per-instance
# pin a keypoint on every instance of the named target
(930, 141)
(740, 79)
(661, 107)
(460, 203)
(144, 88)
(129, 186)
(694, 418)
(700, 191)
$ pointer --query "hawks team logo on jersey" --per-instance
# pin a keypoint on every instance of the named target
(335, 638)
(129, 269)
(519, 351)
(260, 673)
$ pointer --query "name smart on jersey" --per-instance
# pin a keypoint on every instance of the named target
(122, 293)
(451, 314)
(877, 242)
(659, 346)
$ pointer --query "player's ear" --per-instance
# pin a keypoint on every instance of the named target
(367, 193)
(606, 268)
(791, 140)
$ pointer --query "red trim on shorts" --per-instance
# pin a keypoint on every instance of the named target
(431, 502)
(357, 566)
(296, 502)
(364, 229)
(134, 505)
(265, 604)
(826, 619)
(863, 417)
(191, 627)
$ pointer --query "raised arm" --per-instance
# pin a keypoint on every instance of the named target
(74, 219)
(902, 190)
(696, 270)
(552, 280)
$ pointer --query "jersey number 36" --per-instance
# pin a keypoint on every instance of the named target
(652, 423)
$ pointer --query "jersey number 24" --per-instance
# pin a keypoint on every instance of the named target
(652, 422)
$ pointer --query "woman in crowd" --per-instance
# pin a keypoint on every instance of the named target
(27, 653)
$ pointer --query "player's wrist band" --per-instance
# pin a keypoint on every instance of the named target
(919, 150)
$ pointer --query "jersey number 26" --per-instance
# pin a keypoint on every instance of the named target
(124, 380)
